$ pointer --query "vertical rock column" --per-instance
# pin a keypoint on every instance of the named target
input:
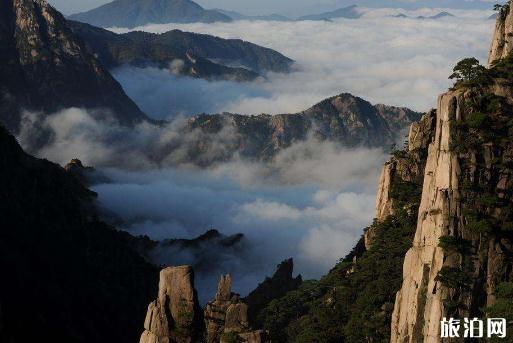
(175, 317)
(502, 42)
(418, 306)
(226, 318)
(215, 311)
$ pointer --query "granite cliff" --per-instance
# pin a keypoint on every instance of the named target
(461, 253)
(441, 244)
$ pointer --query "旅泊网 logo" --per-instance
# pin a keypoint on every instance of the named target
(473, 328)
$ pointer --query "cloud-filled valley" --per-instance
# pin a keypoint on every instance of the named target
(315, 223)
(396, 61)
(314, 199)
(310, 203)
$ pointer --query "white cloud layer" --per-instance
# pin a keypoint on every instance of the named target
(310, 204)
(396, 61)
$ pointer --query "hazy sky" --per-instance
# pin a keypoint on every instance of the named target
(291, 7)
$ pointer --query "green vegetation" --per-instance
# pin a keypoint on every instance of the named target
(453, 278)
(354, 302)
(230, 337)
(502, 9)
(469, 72)
(455, 244)
(503, 308)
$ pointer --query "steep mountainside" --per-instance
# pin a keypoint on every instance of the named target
(442, 237)
(460, 262)
(132, 13)
(44, 67)
(197, 52)
(67, 277)
(345, 119)
(354, 301)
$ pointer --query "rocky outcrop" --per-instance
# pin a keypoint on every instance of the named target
(272, 288)
(226, 317)
(215, 311)
(44, 67)
(175, 316)
(502, 41)
(418, 308)
(404, 167)
(384, 206)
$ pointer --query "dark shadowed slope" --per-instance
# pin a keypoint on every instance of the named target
(67, 277)
(44, 67)
(132, 13)
(202, 55)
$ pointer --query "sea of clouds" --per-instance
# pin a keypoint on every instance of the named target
(396, 61)
(314, 200)
(311, 203)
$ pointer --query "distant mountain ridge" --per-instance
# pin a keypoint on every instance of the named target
(133, 13)
(344, 119)
(265, 17)
(436, 16)
(350, 12)
(202, 55)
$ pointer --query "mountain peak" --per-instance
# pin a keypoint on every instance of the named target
(42, 61)
(132, 13)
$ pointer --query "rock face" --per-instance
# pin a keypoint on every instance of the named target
(418, 306)
(457, 263)
(502, 42)
(226, 317)
(403, 167)
(44, 67)
(175, 316)
(215, 311)
(132, 13)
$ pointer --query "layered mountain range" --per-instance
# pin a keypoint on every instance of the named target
(184, 53)
(47, 67)
(134, 13)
